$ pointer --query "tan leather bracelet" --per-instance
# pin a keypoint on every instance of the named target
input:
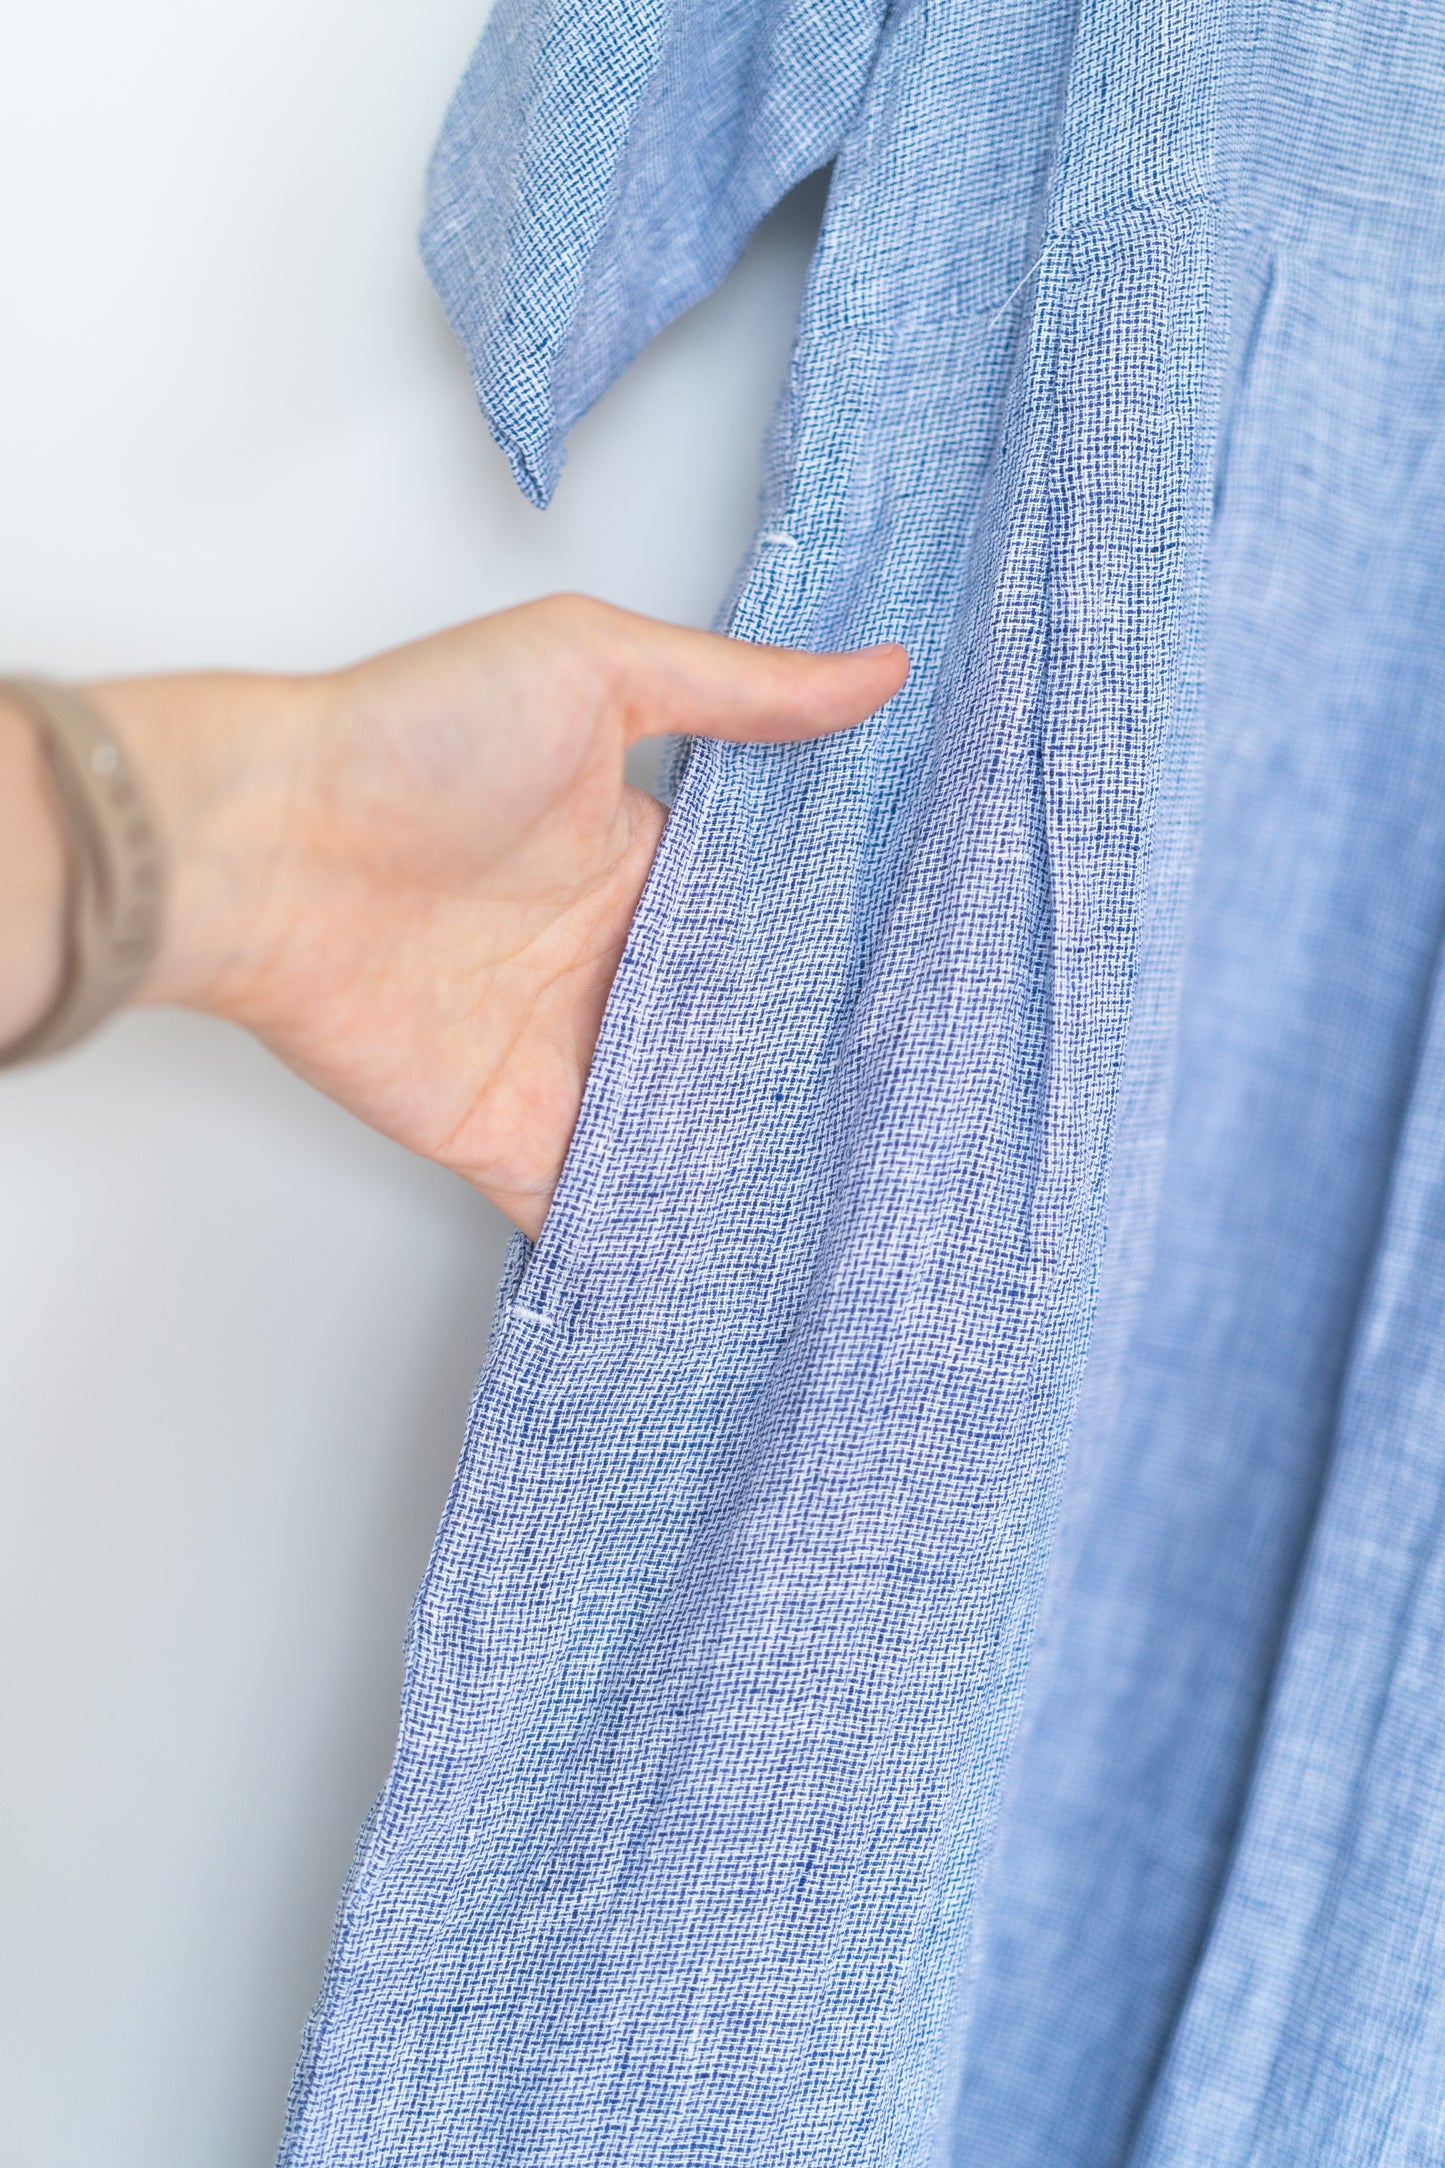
(116, 886)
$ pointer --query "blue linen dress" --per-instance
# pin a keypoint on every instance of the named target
(935, 1657)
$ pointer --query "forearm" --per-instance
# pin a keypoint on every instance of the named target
(32, 879)
(218, 760)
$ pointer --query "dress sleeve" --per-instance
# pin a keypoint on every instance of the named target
(600, 169)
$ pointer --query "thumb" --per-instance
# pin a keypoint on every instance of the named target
(670, 679)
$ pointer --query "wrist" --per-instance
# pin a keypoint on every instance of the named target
(222, 759)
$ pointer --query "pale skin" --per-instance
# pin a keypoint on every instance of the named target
(413, 878)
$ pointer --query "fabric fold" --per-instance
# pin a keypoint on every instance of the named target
(601, 170)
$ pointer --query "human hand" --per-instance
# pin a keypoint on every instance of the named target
(413, 879)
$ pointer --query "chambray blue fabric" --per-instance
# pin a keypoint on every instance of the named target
(936, 1651)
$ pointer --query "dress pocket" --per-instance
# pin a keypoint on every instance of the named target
(532, 1269)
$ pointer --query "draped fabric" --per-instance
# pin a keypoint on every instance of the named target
(935, 1656)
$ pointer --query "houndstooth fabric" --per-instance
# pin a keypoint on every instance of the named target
(935, 1656)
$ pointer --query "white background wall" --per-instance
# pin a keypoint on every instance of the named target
(238, 1332)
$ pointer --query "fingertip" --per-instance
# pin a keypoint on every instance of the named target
(891, 654)
(892, 662)
(853, 684)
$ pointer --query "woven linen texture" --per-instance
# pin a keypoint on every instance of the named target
(934, 1654)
